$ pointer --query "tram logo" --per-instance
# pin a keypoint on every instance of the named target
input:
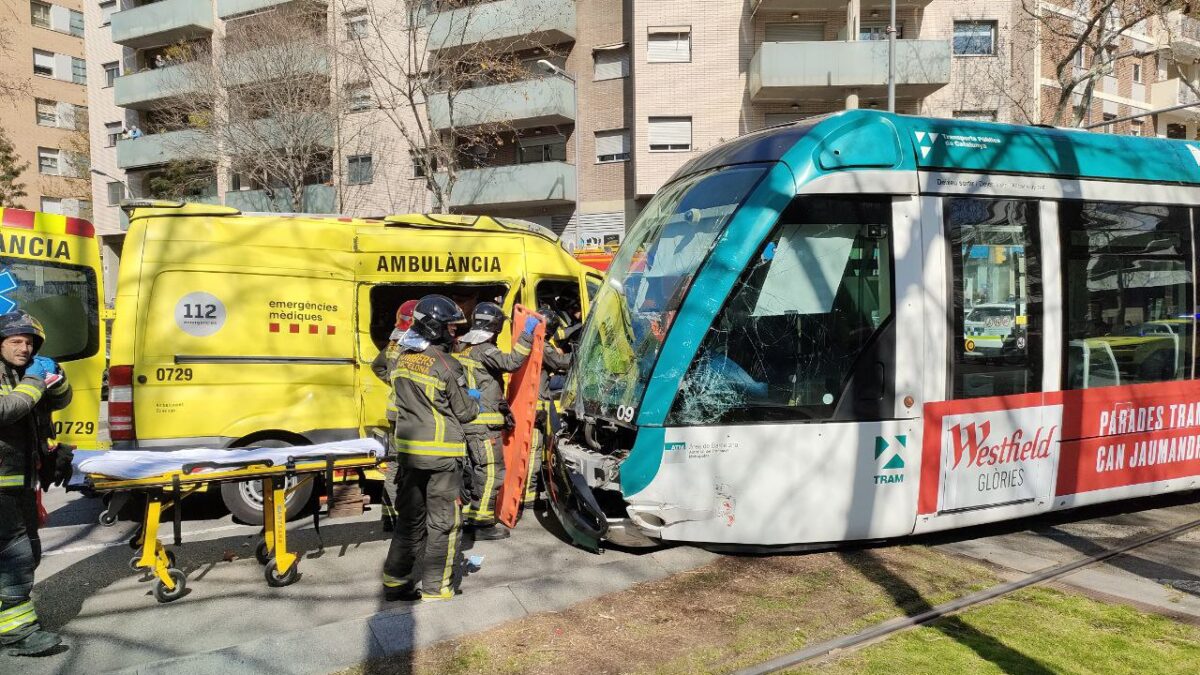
(925, 141)
(889, 459)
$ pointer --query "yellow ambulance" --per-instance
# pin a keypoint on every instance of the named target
(235, 329)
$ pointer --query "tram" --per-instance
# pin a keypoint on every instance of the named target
(868, 325)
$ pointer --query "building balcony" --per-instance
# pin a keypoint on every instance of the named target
(145, 90)
(230, 8)
(162, 23)
(158, 149)
(275, 63)
(516, 185)
(317, 199)
(1175, 92)
(786, 71)
(518, 105)
(1184, 35)
(515, 24)
(827, 5)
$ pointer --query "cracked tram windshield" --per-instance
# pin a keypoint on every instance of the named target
(647, 283)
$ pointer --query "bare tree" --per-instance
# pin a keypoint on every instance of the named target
(12, 87)
(427, 66)
(263, 107)
(1087, 42)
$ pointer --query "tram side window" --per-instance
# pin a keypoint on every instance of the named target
(1129, 309)
(789, 336)
(997, 296)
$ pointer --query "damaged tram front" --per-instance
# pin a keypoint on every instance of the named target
(868, 325)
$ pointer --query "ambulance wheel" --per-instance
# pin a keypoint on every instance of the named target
(179, 578)
(261, 554)
(244, 500)
(277, 580)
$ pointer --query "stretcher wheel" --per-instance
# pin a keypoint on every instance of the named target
(261, 554)
(179, 577)
(286, 579)
(133, 563)
(108, 519)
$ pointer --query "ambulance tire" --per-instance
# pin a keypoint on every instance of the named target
(246, 503)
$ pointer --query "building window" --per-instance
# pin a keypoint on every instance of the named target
(670, 134)
(974, 38)
(612, 63)
(548, 149)
(47, 113)
(359, 169)
(1137, 72)
(48, 161)
(78, 71)
(669, 45)
(1135, 128)
(1128, 308)
(76, 23)
(43, 63)
(422, 163)
(116, 192)
(358, 97)
(612, 146)
(794, 32)
(111, 72)
(107, 9)
(356, 24)
(878, 31)
(977, 115)
(112, 132)
(52, 205)
(39, 14)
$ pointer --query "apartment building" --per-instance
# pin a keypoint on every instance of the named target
(44, 49)
(616, 95)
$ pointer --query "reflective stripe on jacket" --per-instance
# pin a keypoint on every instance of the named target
(432, 404)
(485, 365)
(382, 366)
(25, 424)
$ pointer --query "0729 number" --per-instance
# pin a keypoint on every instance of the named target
(173, 374)
(67, 428)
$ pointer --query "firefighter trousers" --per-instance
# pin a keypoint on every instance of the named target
(20, 552)
(426, 546)
(486, 455)
(388, 508)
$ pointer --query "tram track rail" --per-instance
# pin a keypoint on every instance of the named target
(896, 625)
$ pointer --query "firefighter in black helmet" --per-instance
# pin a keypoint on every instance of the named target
(485, 365)
(31, 387)
(433, 403)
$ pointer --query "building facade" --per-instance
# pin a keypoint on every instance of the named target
(616, 95)
(47, 122)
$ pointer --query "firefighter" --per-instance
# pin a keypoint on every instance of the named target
(382, 366)
(432, 405)
(31, 387)
(554, 363)
(485, 365)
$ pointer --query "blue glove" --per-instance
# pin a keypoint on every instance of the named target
(41, 367)
(531, 323)
(474, 393)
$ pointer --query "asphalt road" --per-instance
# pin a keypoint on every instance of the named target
(86, 590)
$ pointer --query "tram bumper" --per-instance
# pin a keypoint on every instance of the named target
(574, 505)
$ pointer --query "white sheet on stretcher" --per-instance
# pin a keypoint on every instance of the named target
(131, 464)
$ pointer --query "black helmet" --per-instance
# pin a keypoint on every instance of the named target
(488, 316)
(433, 316)
(19, 322)
(552, 319)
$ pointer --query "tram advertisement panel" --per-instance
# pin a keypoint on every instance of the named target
(1002, 450)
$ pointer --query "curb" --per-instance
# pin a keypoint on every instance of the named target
(348, 643)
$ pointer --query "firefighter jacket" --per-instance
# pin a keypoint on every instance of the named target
(485, 365)
(382, 367)
(25, 424)
(432, 404)
(553, 362)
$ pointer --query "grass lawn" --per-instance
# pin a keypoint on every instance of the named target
(1036, 630)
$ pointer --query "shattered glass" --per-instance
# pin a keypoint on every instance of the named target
(647, 282)
(786, 342)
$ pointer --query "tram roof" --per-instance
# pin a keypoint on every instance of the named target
(869, 139)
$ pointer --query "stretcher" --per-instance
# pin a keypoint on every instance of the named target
(522, 397)
(165, 481)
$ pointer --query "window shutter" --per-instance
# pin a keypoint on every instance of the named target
(612, 63)
(614, 142)
(795, 32)
(669, 47)
(671, 131)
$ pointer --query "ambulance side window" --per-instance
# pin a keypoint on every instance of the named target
(593, 286)
(387, 298)
(563, 298)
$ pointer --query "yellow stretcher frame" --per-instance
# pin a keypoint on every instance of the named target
(281, 566)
